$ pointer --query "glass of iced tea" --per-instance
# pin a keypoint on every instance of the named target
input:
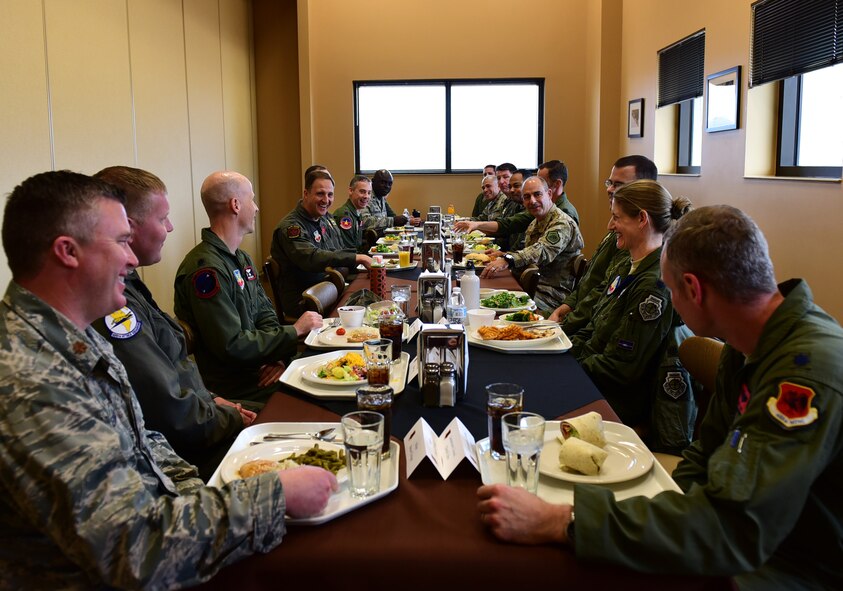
(378, 356)
(392, 327)
(502, 398)
(378, 399)
(457, 248)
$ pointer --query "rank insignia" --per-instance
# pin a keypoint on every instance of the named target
(250, 273)
(240, 283)
(205, 283)
(345, 223)
(122, 324)
(743, 398)
(792, 407)
(317, 236)
(651, 308)
(674, 384)
(613, 285)
(293, 231)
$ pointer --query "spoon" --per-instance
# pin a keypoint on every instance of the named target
(323, 435)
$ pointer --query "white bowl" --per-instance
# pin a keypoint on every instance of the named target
(351, 316)
(480, 317)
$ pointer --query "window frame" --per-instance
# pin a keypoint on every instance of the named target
(685, 137)
(448, 83)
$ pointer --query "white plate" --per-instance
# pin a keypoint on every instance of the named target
(526, 344)
(394, 268)
(391, 253)
(628, 457)
(560, 344)
(292, 377)
(530, 305)
(310, 373)
(275, 451)
(332, 339)
(517, 323)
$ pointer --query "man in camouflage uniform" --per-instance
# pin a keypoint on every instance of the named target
(91, 499)
(480, 200)
(379, 215)
(349, 215)
(553, 241)
(241, 346)
(151, 345)
(762, 484)
(496, 200)
(307, 240)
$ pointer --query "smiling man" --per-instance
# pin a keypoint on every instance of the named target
(552, 242)
(348, 215)
(308, 240)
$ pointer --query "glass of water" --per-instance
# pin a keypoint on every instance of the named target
(363, 440)
(401, 296)
(523, 439)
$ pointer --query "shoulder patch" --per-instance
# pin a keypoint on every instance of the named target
(674, 384)
(205, 283)
(792, 407)
(293, 231)
(122, 324)
(250, 273)
(345, 223)
(651, 308)
(553, 237)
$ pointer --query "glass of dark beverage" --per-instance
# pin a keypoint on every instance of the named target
(378, 399)
(392, 327)
(378, 356)
(502, 398)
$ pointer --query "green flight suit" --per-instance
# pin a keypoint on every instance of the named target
(592, 284)
(621, 346)
(237, 331)
(763, 489)
(479, 204)
(350, 225)
(303, 248)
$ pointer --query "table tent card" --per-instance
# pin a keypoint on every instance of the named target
(445, 452)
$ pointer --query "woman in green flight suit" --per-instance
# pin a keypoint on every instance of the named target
(622, 346)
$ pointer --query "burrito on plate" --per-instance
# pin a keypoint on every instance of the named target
(582, 456)
(588, 427)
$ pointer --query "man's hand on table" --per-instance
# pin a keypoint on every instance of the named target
(495, 267)
(270, 373)
(465, 226)
(415, 221)
(514, 515)
(362, 259)
(247, 416)
(307, 490)
(560, 313)
(307, 322)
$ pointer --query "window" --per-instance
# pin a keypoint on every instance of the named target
(800, 44)
(681, 82)
(441, 126)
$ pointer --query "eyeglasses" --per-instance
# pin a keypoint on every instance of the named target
(615, 184)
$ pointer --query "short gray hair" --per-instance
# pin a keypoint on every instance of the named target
(724, 247)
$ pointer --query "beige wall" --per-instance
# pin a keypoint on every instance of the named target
(162, 85)
(800, 218)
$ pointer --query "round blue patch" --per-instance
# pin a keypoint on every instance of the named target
(205, 283)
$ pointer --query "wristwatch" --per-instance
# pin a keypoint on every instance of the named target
(510, 260)
(571, 532)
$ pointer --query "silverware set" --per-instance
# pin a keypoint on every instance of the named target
(328, 435)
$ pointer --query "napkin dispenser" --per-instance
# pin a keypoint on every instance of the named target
(434, 218)
(433, 292)
(440, 344)
(432, 231)
(434, 209)
(433, 255)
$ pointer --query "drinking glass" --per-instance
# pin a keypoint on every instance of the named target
(502, 398)
(401, 296)
(378, 356)
(404, 252)
(378, 399)
(363, 439)
(391, 327)
(523, 439)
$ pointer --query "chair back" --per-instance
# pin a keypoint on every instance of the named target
(320, 298)
(701, 356)
(580, 266)
(272, 270)
(370, 238)
(529, 280)
(189, 336)
(337, 277)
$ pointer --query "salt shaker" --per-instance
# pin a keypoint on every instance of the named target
(447, 384)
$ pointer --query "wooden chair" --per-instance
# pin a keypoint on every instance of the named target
(320, 298)
(189, 336)
(529, 280)
(580, 266)
(273, 275)
(337, 277)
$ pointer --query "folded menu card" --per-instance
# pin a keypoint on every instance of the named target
(445, 452)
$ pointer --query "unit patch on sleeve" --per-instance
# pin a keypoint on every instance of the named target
(553, 237)
(792, 407)
(250, 273)
(651, 308)
(239, 278)
(205, 283)
(293, 231)
(345, 223)
(122, 324)
(674, 384)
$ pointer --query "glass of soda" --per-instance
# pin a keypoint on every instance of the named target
(502, 398)
(457, 248)
(391, 327)
(378, 356)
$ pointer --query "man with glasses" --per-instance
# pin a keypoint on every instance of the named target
(576, 309)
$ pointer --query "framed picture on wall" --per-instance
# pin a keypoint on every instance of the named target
(635, 118)
(723, 100)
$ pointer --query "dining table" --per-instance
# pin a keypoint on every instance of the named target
(427, 532)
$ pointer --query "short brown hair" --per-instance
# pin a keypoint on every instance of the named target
(137, 185)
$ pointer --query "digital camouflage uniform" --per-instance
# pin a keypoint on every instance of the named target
(551, 244)
(90, 498)
(350, 225)
(762, 484)
(494, 209)
(378, 214)
(592, 284)
(151, 346)
(621, 346)
(220, 295)
(304, 248)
